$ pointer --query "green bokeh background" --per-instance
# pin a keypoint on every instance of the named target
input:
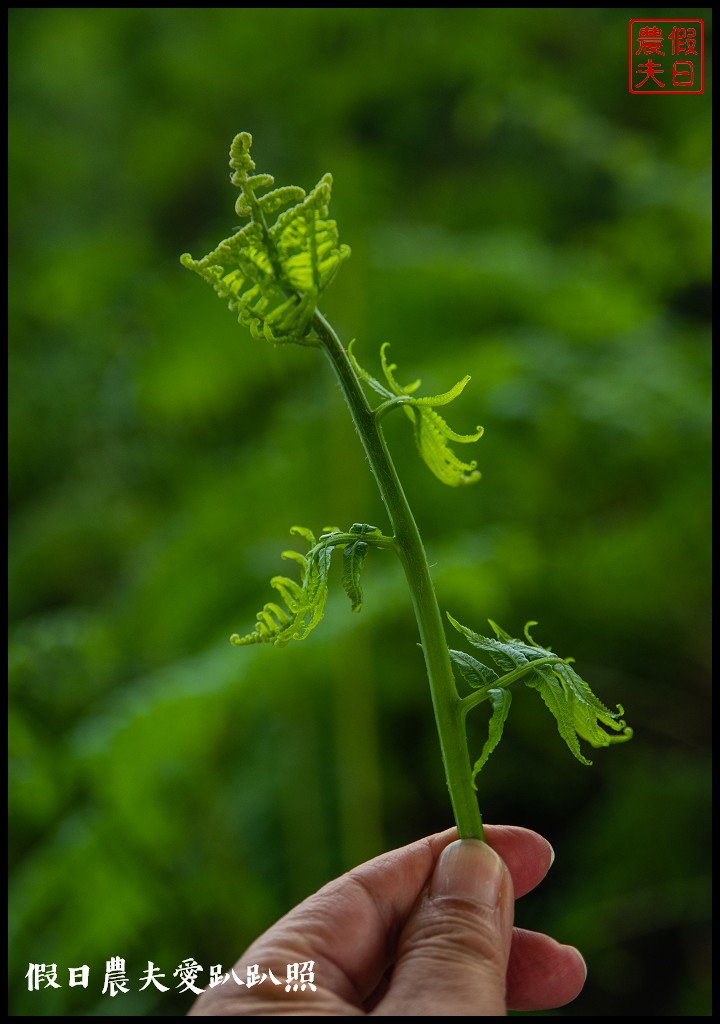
(515, 214)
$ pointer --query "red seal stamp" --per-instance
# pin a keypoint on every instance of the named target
(666, 56)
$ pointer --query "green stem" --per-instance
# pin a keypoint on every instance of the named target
(447, 704)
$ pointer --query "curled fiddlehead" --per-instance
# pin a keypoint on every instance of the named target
(304, 601)
(274, 269)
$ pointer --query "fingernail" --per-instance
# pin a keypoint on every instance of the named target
(470, 869)
(552, 855)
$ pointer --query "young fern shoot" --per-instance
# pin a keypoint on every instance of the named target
(272, 273)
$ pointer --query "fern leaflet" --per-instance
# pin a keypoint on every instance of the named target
(500, 701)
(354, 555)
(353, 561)
(432, 434)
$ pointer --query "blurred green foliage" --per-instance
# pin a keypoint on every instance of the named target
(515, 214)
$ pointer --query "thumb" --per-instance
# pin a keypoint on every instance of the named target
(453, 953)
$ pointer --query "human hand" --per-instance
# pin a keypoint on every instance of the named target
(425, 931)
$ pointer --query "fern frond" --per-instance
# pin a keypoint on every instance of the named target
(500, 701)
(432, 434)
(272, 271)
(354, 555)
(353, 562)
(479, 676)
(486, 683)
(577, 711)
(304, 601)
